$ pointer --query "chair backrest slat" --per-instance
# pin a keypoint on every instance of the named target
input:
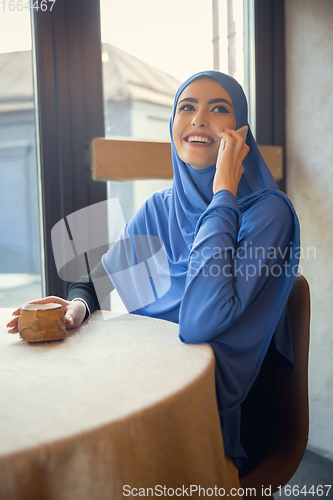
(123, 159)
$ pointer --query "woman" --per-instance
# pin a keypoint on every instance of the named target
(229, 236)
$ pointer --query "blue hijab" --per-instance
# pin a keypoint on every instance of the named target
(238, 316)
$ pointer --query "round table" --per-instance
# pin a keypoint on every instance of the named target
(120, 406)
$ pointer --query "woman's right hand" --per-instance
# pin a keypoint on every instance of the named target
(229, 168)
(75, 311)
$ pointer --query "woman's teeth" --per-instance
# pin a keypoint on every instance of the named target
(197, 138)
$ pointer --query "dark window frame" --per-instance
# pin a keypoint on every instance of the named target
(70, 114)
(270, 75)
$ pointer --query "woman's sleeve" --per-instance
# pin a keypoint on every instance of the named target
(85, 288)
(235, 260)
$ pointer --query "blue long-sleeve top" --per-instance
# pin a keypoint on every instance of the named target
(235, 258)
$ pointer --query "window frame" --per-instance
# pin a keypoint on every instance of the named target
(270, 75)
(67, 49)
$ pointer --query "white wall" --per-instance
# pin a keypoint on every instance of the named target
(309, 150)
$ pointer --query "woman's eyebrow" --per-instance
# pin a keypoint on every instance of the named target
(211, 101)
(190, 99)
(219, 99)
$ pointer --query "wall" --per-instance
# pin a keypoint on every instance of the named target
(309, 157)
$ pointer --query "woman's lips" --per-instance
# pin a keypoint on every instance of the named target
(199, 140)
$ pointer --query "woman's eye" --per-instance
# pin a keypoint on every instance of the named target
(220, 109)
(186, 107)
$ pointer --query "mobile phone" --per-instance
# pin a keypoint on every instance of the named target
(242, 131)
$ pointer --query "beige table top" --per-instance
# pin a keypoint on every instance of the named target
(122, 401)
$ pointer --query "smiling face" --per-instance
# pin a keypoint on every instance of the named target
(203, 110)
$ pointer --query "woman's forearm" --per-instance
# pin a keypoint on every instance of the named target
(89, 290)
(228, 271)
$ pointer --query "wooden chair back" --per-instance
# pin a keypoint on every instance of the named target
(123, 159)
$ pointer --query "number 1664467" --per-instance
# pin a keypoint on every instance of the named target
(20, 5)
(295, 491)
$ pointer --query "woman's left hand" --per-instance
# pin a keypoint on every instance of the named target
(229, 168)
(75, 311)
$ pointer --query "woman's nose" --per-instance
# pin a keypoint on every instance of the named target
(200, 119)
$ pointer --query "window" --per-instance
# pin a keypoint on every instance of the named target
(20, 239)
(149, 48)
(70, 105)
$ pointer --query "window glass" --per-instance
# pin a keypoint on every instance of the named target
(149, 48)
(20, 247)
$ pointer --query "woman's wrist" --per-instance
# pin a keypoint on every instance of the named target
(87, 311)
(223, 187)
